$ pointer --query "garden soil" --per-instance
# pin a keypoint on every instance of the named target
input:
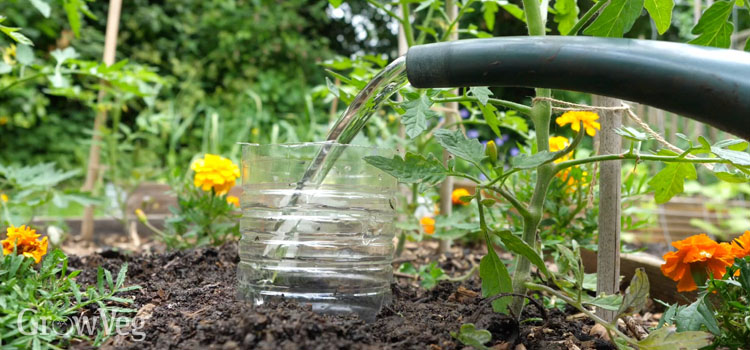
(188, 301)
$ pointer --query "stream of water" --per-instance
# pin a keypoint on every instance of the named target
(347, 126)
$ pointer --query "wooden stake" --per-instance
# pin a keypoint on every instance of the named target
(446, 187)
(608, 257)
(92, 171)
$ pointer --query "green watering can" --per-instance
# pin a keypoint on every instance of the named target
(706, 84)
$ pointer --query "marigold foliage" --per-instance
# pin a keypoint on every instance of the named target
(696, 257)
(574, 118)
(215, 173)
(26, 242)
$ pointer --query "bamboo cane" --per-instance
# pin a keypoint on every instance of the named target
(92, 171)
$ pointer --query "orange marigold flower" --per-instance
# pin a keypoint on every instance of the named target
(696, 255)
(215, 172)
(233, 200)
(457, 194)
(741, 245)
(428, 225)
(574, 118)
(25, 240)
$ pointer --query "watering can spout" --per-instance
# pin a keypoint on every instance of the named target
(706, 84)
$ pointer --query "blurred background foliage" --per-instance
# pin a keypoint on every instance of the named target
(231, 70)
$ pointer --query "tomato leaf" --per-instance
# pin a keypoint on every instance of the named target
(481, 93)
(661, 12)
(495, 279)
(566, 16)
(458, 145)
(616, 19)
(415, 117)
(516, 245)
(636, 296)
(670, 181)
(413, 168)
(714, 28)
(666, 338)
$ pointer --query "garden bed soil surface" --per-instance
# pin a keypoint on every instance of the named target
(188, 301)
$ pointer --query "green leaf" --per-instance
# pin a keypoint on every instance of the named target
(470, 336)
(666, 338)
(489, 11)
(733, 144)
(74, 16)
(430, 275)
(747, 45)
(616, 19)
(532, 161)
(573, 261)
(514, 10)
(335, 3)
(514, 122)
(661, 12)
(670, 181)
(723, 173)
(632, 134)
(414, 168)
(61, 56)
(566, 16)
(14, 33)
(481, 93)
(607, 302)
(42, 6)
(458, 145)
(121, 275)
(516, 245)
(495, 279)
(25, 55)
(636, 296)
(491, 118)
(5, 68)
(713, 28)
(736, 157)
(695, 316)
(415, 117)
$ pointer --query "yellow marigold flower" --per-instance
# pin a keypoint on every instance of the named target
(233, 200)
(4, 197)
(4, 120)
(557, 144)
(255, 131)
(741, 245)
(457, 194)
(25, 240)
(215, 172)
(574, 118)
(696, 255)
(9, 54)
(428, 225)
